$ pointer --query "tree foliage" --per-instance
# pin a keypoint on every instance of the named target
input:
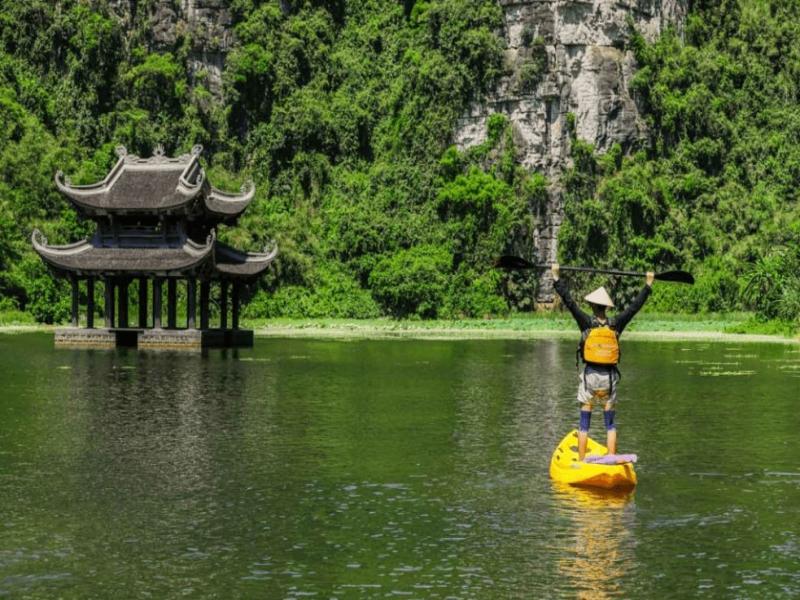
(342, 111)
(715, 188)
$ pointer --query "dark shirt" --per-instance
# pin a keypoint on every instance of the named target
(617, 322)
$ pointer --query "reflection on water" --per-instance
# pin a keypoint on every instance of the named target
(601, 548)
(373, 469)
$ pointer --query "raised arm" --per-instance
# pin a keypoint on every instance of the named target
(623, 318)
(583, 320)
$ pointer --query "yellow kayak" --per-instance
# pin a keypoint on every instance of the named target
(565, 467)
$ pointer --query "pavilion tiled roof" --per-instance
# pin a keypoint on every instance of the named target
(156, 185)
(175, 190)
(84, 258)
(87, 258)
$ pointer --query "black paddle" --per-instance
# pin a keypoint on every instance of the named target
(516, 263)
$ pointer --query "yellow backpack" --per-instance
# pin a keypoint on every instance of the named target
(601, 346)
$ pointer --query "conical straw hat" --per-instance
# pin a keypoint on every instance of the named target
(600, 296)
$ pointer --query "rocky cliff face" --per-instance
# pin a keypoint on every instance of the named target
(562, 57)
(206, 24)
(567, 56)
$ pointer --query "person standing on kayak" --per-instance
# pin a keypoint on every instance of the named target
(599, 349)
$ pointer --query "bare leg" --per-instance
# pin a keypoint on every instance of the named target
(583, 436)
(611, 435)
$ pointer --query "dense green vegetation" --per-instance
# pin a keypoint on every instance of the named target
(342, 113)
(716, 187)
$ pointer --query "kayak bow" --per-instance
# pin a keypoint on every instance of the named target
(566, 468)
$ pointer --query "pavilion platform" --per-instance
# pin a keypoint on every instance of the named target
(190, 340)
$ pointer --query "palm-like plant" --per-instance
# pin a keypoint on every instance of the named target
(764, 283)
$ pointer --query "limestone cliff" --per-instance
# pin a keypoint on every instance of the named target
(562, 57)
(206, 24)
(567, 56)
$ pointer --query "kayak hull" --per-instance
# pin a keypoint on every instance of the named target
(566, 468)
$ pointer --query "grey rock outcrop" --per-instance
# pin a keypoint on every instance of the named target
(207, 24)
(566, 56)
(210, 24)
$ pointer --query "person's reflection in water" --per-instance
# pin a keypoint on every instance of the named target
(600, 551)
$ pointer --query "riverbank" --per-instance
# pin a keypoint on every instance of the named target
(736, 327)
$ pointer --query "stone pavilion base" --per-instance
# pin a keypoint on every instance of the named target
(191, 340)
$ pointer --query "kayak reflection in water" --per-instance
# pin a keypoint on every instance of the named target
(600, 548)
(599, 349)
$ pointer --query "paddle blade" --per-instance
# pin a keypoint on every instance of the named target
(676, 276)
(513, 262)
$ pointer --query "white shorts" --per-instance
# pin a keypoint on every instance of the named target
(597, 387)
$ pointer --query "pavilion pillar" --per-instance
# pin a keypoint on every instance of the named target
(73, 280)
(90, 303)
(123, 303)
(143, 302)
(172, 288)
(235, 309)
(191, 290)
(157, 303)
(223, 304)
(108, 311)
(205, 292)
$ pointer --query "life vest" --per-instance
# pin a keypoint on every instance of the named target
(600, 346)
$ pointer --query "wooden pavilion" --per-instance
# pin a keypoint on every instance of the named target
(156, 223)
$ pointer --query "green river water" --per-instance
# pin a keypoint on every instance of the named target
(372, 469)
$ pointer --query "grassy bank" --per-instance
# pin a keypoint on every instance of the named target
(733, 326)
(17, 318)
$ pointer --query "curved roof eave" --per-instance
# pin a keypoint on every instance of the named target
(227, 205)
(80, 192)
(41, 246)
(234, 263)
